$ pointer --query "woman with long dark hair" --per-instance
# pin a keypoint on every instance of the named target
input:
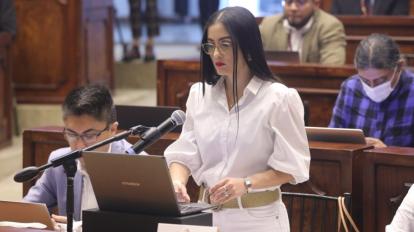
(244, 135)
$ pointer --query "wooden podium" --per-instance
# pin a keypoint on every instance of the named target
(61, 44)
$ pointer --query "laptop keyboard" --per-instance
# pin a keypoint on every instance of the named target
(193, 207)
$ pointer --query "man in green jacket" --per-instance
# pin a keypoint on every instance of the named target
(318, 36)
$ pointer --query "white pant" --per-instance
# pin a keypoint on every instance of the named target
(269, 218)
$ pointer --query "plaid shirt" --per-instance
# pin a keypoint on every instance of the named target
(391, 121)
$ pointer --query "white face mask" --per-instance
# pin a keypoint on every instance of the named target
(378, 93)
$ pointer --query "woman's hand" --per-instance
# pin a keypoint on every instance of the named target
(59, 222)
(375, 142)
(181, 191)
(227, 189)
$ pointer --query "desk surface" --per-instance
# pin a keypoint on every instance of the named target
(11, 229)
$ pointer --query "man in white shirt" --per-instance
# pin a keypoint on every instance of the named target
(318, 36)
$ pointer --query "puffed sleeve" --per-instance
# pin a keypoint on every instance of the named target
(291, 150)
(185, 150)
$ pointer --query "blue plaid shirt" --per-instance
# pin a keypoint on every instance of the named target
(391, 121)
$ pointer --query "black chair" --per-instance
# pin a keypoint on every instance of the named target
(312, 212)
(150, 116)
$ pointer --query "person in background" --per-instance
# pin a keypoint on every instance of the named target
(318, 36)
(380, 98)
(404, 217)
(207, 8)
(89, 117)
(136, 20)
(370, 7)
(7, 24)
(244, 134)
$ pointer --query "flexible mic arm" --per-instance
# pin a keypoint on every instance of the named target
(29, 173)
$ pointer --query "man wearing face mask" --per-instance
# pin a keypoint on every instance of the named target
(380, 98)
(318, 36)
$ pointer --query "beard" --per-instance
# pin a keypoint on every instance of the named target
(300, 24)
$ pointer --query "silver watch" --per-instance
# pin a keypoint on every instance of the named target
(248, 184)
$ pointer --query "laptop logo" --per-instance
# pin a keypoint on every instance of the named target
(132, 184)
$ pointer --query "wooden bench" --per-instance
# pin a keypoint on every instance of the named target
(318, 85)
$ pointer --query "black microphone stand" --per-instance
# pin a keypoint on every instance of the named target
(69, 164)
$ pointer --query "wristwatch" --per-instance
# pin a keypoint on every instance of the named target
(248, 184)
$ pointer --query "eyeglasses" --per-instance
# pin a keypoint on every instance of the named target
(380, 80)
(298, 2)
(223, 46)
(89, 137)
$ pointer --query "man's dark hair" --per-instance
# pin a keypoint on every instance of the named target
(93, 100)
(377, 51)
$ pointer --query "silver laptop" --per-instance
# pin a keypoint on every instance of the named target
(24, 212)
(135, 183)
(339, 135)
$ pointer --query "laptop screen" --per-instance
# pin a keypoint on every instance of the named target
(339, 135)
(134, 183)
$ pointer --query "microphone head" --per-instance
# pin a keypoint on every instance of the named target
(178, 117)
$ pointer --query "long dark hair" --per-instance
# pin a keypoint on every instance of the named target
(244, 33)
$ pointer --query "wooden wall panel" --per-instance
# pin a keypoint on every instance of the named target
(54, 52)
(6, 99)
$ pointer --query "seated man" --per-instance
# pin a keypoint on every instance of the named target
(380, 98)
(370, 7)
(318, 36)
(404, 217)
(89, 117)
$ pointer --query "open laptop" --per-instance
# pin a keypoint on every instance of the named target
(150, 116)
(132, 183)
(24, 212)
(284, 56)
(339, 135)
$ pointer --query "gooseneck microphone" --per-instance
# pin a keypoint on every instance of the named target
(154, 133)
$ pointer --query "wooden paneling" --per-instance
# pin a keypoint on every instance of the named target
(317, 84)
(70, 47)
(6, 101)
(387, 174)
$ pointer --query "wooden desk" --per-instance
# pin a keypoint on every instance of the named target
(6, 99)
(386, 175)
(366, 25)
(406, 44)
(318, 85)
(331, 163)
(11, 229)
(71, 47)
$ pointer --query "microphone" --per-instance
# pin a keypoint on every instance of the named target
(154, 133)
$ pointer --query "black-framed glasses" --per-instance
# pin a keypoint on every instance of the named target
(89, 137)
(223, 46)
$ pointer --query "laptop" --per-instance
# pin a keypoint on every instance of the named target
(339, 135)
(24, 212)
(138, 184)
(150, 116)
(284, 56)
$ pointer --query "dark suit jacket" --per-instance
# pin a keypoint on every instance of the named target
(381, 7)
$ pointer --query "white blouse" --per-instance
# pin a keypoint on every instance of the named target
(404, 217)
(267, 133)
